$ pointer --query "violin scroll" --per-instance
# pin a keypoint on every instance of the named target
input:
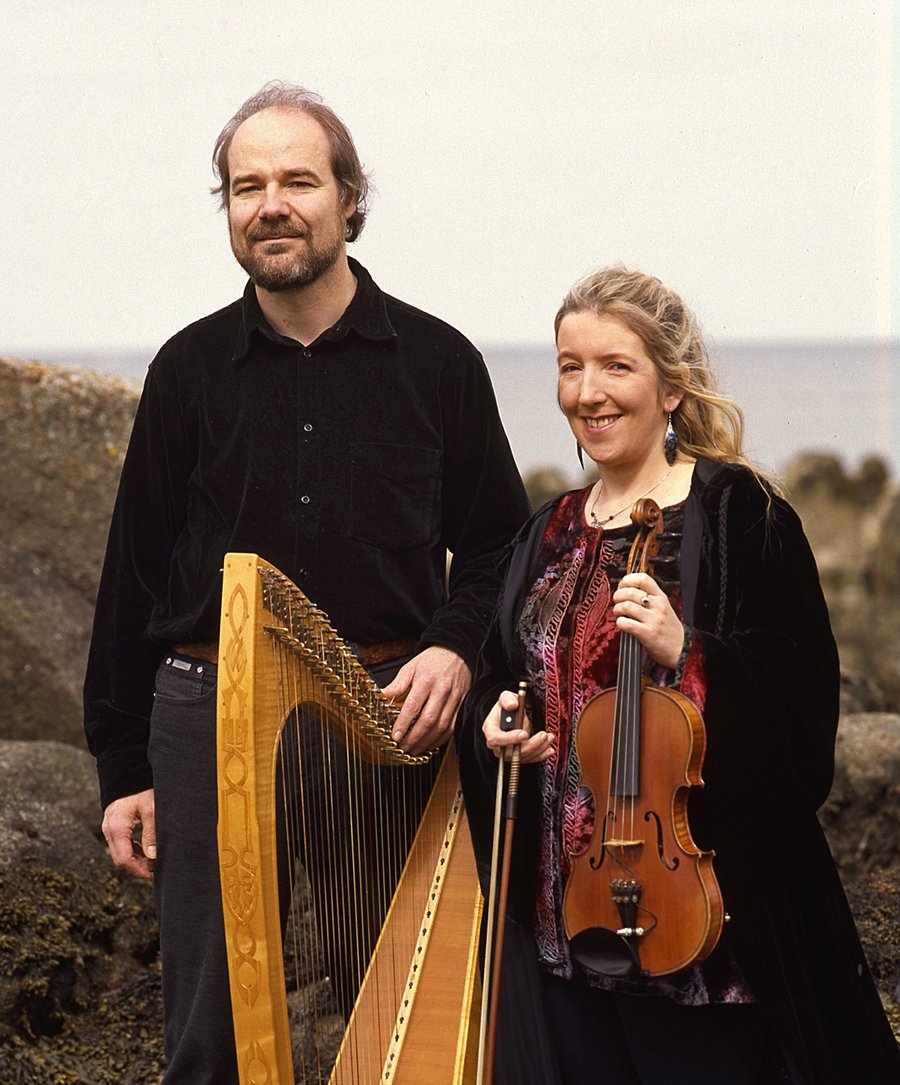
(647, 516)
(646, 513)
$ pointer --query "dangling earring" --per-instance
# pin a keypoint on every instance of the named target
(580, 455)
(670, 444)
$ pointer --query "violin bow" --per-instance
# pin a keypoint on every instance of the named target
(497, 896)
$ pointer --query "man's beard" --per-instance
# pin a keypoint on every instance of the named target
(285, 271)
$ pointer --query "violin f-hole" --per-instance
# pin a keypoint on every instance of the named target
(596, 862)
(659, 841)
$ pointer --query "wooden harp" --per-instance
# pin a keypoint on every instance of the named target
(415, 1016)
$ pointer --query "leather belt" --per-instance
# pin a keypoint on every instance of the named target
(208, 652)
(370, 655)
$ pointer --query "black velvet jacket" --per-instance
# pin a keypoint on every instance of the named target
(752, 599)
(352, 464)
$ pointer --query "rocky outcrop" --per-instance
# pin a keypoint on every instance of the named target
(80, 993)
(64, 434)
(853, 524)
(862, 814)
(79, 977)
(862, 821)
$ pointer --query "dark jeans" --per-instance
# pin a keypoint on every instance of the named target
(199, 1037)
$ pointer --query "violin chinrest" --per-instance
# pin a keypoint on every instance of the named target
(601, 950)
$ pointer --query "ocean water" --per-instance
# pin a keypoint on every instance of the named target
(837, 397)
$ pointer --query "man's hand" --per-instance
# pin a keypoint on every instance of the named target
(432, 686)
(120, 819)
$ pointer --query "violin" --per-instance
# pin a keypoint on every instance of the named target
(642, 898)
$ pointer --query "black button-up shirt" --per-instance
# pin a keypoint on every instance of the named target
(352, 465)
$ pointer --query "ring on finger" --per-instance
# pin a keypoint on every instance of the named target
(645, 602)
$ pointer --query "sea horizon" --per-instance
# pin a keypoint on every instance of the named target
(838, 397)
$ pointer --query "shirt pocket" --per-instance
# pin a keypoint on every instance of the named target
(394, 495)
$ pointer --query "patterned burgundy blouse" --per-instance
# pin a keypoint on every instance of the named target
(571, 652)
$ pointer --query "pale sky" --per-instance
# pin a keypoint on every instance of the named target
(740, 151)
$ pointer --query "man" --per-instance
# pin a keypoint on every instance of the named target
(346, 437)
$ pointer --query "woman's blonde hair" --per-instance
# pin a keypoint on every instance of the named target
(706, 422)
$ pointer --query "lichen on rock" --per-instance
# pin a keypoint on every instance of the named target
(79, 976)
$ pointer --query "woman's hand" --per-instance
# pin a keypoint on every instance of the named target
(533, 748)
(643, 609)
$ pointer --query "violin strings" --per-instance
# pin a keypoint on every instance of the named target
(624, 766)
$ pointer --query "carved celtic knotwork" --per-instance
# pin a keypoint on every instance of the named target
(256, 1069)
(238, 862)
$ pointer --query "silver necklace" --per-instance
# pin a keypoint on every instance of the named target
(595, 522)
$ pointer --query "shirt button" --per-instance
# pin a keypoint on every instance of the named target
(307, 354)
(304, 500)
(308, 427)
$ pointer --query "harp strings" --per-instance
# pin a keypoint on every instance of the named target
(349, 818)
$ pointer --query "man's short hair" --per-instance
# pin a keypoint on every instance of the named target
(345, 164)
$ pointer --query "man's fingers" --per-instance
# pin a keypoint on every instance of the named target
(120, 820)
(400, 683)
(120, 848)
(148, 829)
(408, 715)
(431, 730)
(433, 685)
(139, 866)
(128, 854)
(429, 727)
(398, 689)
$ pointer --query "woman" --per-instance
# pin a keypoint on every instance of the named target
(734, 617)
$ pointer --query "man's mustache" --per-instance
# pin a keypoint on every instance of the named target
(267, 233)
